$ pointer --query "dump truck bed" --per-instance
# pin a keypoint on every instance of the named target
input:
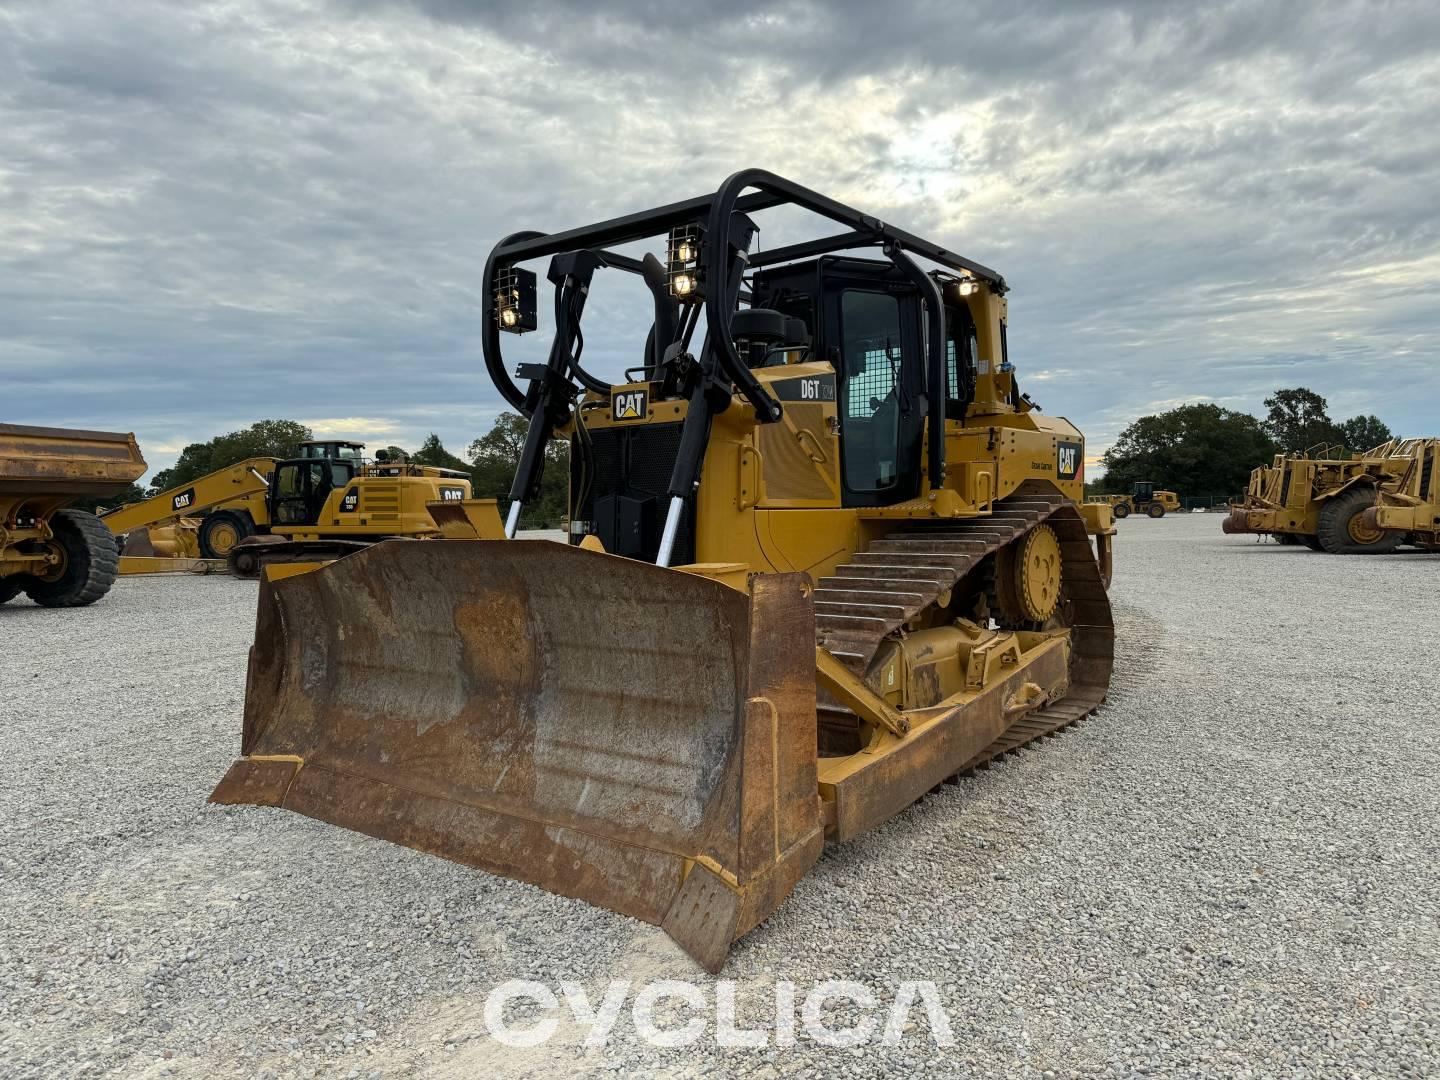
(64, 461)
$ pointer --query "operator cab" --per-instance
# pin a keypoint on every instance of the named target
(865, 318)
(299, 488)
(334, 450)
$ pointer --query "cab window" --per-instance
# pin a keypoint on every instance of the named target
(873, 390)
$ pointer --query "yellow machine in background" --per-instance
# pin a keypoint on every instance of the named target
(1410, 508)
(326, 503)
(822, 557)
(1145, 499)
(232, 498)
(1319, 498)
(59, 557)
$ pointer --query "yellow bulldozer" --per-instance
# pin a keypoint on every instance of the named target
(821, 558)
(57, 555)
(1410, 508)
(1144, 498)
(1318, 498)
(326, 503)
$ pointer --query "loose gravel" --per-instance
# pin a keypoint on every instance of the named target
(1230, 871)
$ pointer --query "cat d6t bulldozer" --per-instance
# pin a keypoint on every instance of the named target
(823, 555)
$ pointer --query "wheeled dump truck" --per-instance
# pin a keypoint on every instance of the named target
(59, 557)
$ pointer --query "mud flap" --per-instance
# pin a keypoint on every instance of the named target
(640, 738)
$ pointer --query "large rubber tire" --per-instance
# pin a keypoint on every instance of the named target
(1121, 511)
(11, 587)
(91, 562)
(1155, 510)
(1342, 532)
(221, 531)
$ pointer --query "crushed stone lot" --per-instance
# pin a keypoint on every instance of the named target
(1233, 869)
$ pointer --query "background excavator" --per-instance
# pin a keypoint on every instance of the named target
(822, 557)
(326, 503)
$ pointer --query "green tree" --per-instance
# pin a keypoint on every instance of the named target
(1299, 419)
(1365, 433)
(494, 457)
(266, 438)
(1195, 450)
(432, 452)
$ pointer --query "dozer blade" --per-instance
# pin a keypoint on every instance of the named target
(640, 738)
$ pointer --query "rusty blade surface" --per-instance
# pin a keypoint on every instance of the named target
(583, 722)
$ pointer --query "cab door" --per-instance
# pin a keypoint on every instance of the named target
(874, 330)
(299, 489)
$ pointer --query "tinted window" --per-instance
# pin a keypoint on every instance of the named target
(870, 323)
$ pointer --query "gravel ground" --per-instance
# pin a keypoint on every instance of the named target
(1231, 870)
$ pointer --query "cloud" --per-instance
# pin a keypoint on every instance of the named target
(218, 213)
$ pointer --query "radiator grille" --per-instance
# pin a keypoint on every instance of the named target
(636, 462)
(789, 471)
(380, 502)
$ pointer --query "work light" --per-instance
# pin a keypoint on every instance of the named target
(963, 287)
(515, 310)
(682, 261)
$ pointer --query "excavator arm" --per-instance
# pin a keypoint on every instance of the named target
(237, 481)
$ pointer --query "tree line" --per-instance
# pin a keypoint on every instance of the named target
(1207, 451)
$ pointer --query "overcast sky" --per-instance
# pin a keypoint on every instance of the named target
(213, 213)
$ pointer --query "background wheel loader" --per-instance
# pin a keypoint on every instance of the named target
(324, 504)
(1319, 498)
(823, 556)
(1145, 499)
(59, 557)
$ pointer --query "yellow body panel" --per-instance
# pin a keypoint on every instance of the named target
(1412, 504)
(771, 492)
